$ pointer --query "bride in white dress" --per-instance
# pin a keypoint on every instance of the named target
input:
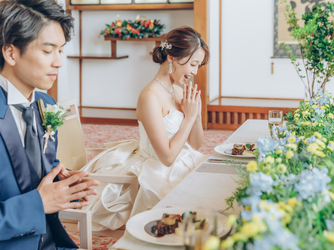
(170, 129)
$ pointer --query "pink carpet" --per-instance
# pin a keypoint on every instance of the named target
(96, 135)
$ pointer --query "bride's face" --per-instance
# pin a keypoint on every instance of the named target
(182, 71)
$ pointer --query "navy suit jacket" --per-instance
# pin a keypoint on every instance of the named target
(22, 216)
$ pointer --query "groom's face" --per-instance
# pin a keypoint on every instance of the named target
(38, 66)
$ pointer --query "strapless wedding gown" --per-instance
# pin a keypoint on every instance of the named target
(113, 206)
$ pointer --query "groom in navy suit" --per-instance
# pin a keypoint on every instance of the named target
(34, 187)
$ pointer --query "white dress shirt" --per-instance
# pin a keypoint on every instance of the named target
(14, 96)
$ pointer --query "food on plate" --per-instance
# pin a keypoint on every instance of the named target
(243, 149)
(173, 223)
(167, 224)
(238, 149)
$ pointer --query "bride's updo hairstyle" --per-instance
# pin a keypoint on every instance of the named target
(185, 41)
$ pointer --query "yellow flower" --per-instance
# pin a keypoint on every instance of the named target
(306, 100)
(314, 124)
(239, 237)
(256, 218)
(329, 236)
(321, 143)
(265, 205)
(304, 113)
(252, 166)
(314, 106)
(330, 115)
(317, 134)
(269, 159)
(279, 151)
(306, 103)
(331, 142)
(319, 153)
(212, 243)
(292, 202)
(266, 167)
(330, 148)
(289, 209)
(281, 168)
(289, 154)
(286, 219)
(250, 229)
(232, 219)
(248, 208)
(306, 123)
(282, 204)
(292, 146)
(331, 194)
(324, 139)
(297, 115)
(317, 98)
(292, 139)
(227, 243)
(312, 147)
(305, 141)
(279, 160)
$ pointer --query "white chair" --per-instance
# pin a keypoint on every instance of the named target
(72, 153)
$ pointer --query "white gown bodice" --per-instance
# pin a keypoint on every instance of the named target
(172, 122)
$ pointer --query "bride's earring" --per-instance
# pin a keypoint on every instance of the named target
(170, 71)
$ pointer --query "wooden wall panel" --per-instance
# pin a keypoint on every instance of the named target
(200, 25)
(231, 117)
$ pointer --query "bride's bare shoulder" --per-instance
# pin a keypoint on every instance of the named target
(148, 96)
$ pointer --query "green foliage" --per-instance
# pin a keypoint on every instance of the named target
(305, 145)
(316, 44)
(140, 28)
(53, 119)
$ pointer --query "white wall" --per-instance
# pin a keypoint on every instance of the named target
(247, 48)
(112, 83)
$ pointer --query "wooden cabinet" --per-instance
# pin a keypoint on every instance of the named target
(133, 6)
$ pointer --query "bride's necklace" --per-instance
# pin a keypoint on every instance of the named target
(170, 92)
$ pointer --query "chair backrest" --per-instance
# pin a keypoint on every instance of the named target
(71, 147)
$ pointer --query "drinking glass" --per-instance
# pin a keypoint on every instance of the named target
(275, 117)
(194, 238)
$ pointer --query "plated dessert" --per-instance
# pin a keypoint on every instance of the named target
(172, 224)
(243, 149)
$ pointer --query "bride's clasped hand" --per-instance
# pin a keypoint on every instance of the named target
(191, 102)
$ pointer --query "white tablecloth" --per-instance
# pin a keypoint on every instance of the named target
(206, 188)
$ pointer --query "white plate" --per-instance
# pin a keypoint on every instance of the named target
(226, 149)
(136, 224)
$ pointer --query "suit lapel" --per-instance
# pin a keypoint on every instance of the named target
(48, 157)
(13, 143)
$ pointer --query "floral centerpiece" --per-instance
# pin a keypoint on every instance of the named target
(139, 29)
(316, 42)
(288, 192)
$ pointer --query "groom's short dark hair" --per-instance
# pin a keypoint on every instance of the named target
(21, 21)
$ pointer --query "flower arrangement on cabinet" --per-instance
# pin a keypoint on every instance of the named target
(139, 29)
(288, 192)
(316, 41)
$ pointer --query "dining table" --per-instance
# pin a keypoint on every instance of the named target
(209, 184)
